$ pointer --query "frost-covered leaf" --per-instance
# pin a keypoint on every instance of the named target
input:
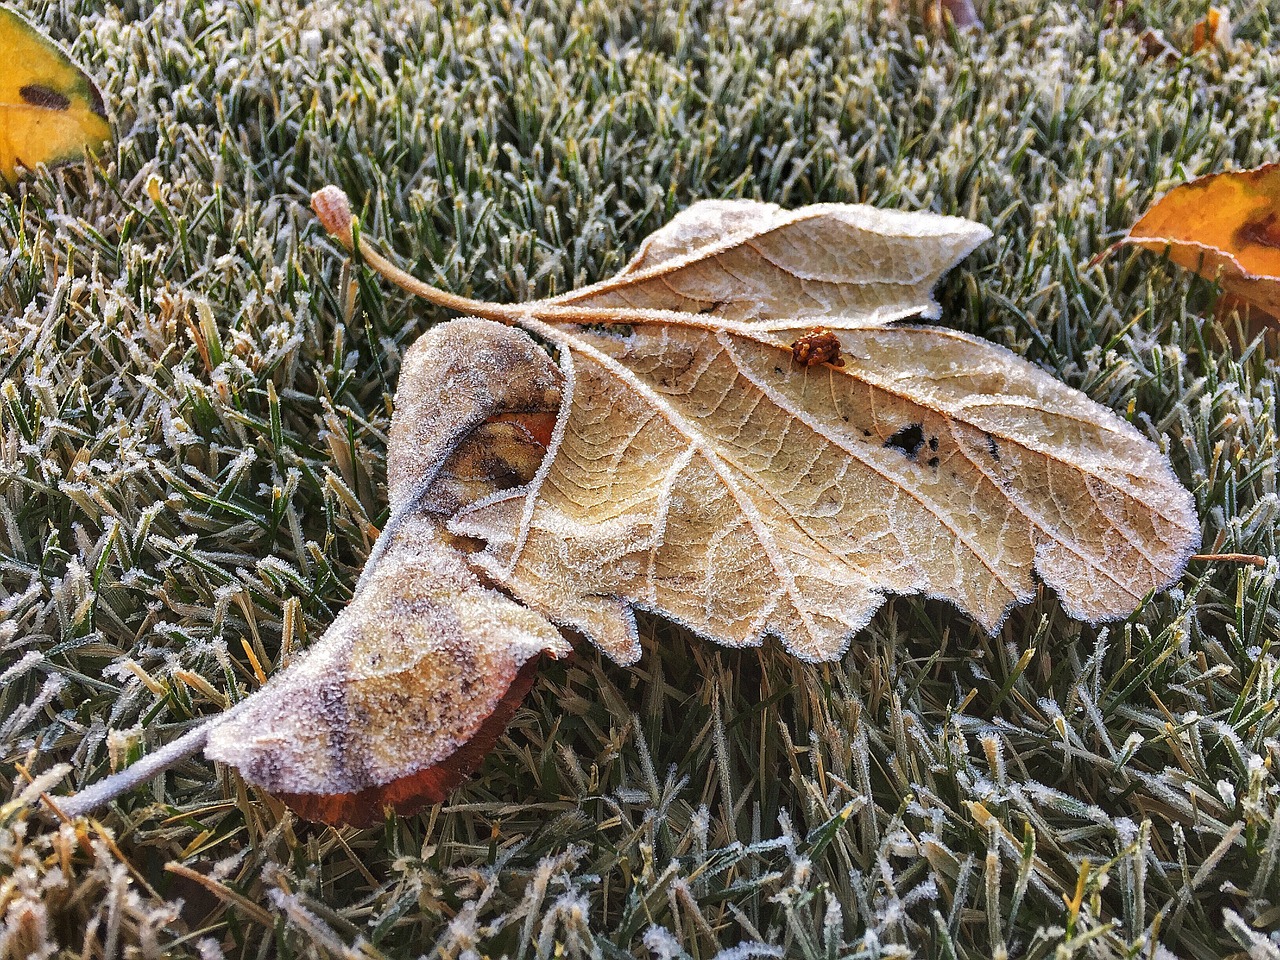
(699, 465)
(402, 698)
(849, 264)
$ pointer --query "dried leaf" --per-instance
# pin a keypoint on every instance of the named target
(1155, 46)
(50, 111)
(850, 265)
(1225, 227)
(417, 678)
(692, 456)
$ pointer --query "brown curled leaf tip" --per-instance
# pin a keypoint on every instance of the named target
(334, 210)
(410, 794)
(817, 346)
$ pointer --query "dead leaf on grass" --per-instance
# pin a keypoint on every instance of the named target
(690, 454)
(1212, 31)
(1224, 227)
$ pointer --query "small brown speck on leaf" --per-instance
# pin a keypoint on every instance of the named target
(817, 346)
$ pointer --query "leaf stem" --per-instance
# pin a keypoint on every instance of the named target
(152, 764)
(334, 212)
(1248, 558)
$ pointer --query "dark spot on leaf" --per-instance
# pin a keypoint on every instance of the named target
(38, 95)
(933, 443)
(992, 448)
(934, 461)
(95, 101)
(909, 440)
(1263, 233)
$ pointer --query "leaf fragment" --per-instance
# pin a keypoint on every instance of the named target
(50, 111)
(1224, 227)
(1212, 31)
(817, 346)
(962, 13)
(416, 679)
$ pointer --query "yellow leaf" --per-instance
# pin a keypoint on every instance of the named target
(1225, 227)
(50, 111)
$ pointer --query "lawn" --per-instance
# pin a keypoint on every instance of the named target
(195, 394)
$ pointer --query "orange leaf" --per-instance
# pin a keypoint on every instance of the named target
(1214, 30)
(1225, 227)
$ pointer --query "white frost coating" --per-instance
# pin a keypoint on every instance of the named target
(404, 676)
(751, 950)
(659, 941)
(42, 783)
(709, 478)
(24, 664)
(151, 765)
(846, 265)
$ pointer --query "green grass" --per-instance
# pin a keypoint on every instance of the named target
(195, 389)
